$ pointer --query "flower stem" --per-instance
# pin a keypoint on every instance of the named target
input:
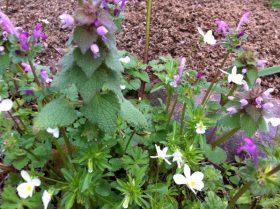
(183, 117)
(53, 180)
(240, 192)
(31, 153)
(129, 140)
(15, 122)
(66, 141)
(214, 81)
(172, 111)
(146, 51)
(224, 138)
(8, 168)
(168, 100)
(273, 171)
(34, 73)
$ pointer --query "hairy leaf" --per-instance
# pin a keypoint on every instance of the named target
(84, 38)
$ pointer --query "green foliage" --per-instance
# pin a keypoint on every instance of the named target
(57, 113)
(276, 3)
(84, 37)
(103, 110)
(5, 61)
(213, 201)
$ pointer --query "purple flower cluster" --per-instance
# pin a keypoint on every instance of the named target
(7, 24)
(243, 20)
(177, 77)
(44, 77)
(222, 27)
(249, 147)
(37, 33)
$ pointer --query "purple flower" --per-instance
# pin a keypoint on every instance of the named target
(243, 20)
(102, 31)
(261, 63)
(267, 106)
(238, 47)
(23, 38)
(66, 20)
(232, 110)
(199, 75)
(176, 78)
(244, 71)
(249, 147)
(222, 26)
(243, 103)
(104, 3)
(95, 50)
(29, 91)
(37, 33)
(258, 81)
(242, 33)
(173, 84)
(116, 12)
(122, 4)
(26, 67)
(258, 101)
(245, 86)
(182, 66)
(97, 23)
(44, 75)
(268, 92)
(7, 24)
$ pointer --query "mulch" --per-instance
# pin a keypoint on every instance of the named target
(173, 30)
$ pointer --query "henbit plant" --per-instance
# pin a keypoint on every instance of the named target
(78, 142)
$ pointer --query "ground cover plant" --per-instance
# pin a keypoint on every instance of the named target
(82, 138)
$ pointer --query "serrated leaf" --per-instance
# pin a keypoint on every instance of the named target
(103, 110)
(230, 121)
(218, 155)
(112, 61)
(132, 115)
(67, 78)
(213, 201)
(270, 70)
(71, 93)
(4, 62)
(84, 38)
(248, 125)
(67, 61)
(57, 113)
(253, 112)
(87, 62)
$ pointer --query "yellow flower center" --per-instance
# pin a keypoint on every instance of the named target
(192, 184)
(29, 188)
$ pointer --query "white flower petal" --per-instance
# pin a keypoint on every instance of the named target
(274, 121)
(180, 179)
(125, 60)
(25, 190)
(46, 198)
(187, 171)
(36, 182)
(197, 176)
(200, 31)
(6, 105)
(25, 176)
(209, 38)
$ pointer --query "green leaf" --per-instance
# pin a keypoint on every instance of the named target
(213, 201)
(4, 62)
(254, 112)
(103, 110)
(112, 61)
(103, 188)
(71, 93)
(68, 200)
(276, 3)
(230, 121)
(57, 113)
(87, 62)
(86, 182)
(67, 61)
(67, 78)
(248, 125)
(132, 115)
(160, 188)
(252, 76)
(218, 155)
(270, 70)
(84, 38)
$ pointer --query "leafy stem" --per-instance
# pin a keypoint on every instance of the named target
(34, 73)
(214, 81)
(224, 138)
(183, 117)
(172, 111)
(129, 140)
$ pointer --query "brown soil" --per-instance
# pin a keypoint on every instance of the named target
(173, 31)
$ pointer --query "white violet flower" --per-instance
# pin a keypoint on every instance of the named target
(274, 121)
(54, 132)
(194, 181)
(6, 105)
(208, 38)
(46, 198)
(161, 154)
(26, 189)
(125, 60)
(200, 128)
(177, 157)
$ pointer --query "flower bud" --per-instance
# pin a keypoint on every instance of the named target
(232, 110)
(95, 50)
(243, 102)
(267, 106)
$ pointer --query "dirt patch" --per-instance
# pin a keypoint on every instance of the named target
(173, 31)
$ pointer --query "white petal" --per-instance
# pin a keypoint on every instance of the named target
(164, 151)
(167, 161)
(200, 31)
(238, 79)
(23, 191)
(56, 133)
(197, 185)
(197, 176)
(234, 70)
(6, 105)
(36, 182)
(179, 179)
(274, 121)
(50, 130)
(209, 38)
(46, 198)
(187, 171)
(25, 176)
